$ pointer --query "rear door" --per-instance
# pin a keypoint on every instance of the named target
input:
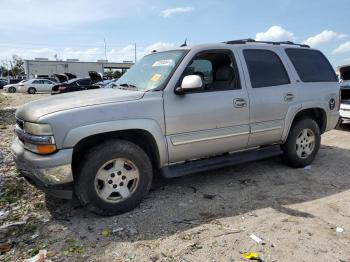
(47, 86)
(272, 92)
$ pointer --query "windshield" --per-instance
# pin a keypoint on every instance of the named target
(152, 71)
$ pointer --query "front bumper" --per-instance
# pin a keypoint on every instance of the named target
(50, 173)
(345, 111)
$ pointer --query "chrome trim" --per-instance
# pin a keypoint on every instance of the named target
(208, 137)
(266, 129)
(37, 140)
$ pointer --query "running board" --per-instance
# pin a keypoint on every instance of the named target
(213, 163)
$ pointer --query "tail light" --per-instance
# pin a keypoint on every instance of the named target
(61, 87)
(339, 99)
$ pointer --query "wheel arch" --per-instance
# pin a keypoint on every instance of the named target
(150, 138)
(318, 113)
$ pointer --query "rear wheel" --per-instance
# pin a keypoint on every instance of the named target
(31, 90)
(114, 177)
(302, 144)
(12, 89)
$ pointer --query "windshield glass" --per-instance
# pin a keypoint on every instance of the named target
(151, 71)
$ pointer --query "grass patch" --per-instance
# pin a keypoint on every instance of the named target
(13, 192)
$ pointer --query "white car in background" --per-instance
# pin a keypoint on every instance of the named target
(13, 88)
(36, 85)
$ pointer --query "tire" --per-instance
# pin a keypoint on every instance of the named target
(299, 150)
(103, 170)
(12, 89)
(31, 90)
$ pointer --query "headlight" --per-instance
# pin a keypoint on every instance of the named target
(37, 129)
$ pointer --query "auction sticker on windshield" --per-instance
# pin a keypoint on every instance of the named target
(164, 62)
(156, 77)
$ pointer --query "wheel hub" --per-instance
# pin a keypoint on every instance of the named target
(116, 180)
(305, 143)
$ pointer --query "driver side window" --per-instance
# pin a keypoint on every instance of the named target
(217, 69)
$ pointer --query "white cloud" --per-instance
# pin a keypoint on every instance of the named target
(171, 11)
(89, 54)
(275, 33)
(323, 37)
(65, 14)
(343, 48)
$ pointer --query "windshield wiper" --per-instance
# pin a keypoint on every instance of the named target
(128, 86)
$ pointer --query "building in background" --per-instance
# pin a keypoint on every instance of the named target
(43, 67)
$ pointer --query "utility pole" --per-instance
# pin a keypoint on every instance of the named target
(104, 40)
(135, 54)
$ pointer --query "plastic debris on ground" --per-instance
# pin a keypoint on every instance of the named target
(256, 239)
(251, 256)
(40, 257)
(339, 230)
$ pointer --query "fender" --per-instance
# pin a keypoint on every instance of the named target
(295, 109)
(75, 135)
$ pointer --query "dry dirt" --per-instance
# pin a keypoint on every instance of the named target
(203, 217)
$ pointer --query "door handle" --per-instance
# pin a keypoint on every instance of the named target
(239, 102)
(288, 97)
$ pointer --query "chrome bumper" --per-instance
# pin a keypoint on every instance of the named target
(50, 173)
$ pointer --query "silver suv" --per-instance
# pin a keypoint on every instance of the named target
(175, 113)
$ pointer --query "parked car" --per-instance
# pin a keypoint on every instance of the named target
(13, 88)
(178, 112)
(3, 83)
(78, 84)
(344, 75)
(16, 80)
(106, 83)
(35, 85)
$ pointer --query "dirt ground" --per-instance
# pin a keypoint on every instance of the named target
(300, 214)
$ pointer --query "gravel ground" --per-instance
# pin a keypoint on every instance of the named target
(203, 217)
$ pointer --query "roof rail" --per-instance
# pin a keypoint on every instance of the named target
(250, 40)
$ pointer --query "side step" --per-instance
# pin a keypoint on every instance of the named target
(213, 163)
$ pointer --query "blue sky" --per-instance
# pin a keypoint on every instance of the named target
(77, 28)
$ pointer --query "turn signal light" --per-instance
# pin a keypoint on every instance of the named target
(45, 149)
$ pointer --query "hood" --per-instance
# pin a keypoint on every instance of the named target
(95, 77)
(70, 76)
(34, 110)
(61, 78)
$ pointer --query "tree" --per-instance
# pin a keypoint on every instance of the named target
(16, 66)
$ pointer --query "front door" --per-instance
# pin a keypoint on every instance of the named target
(213, 119)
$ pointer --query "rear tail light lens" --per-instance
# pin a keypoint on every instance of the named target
(61, 88)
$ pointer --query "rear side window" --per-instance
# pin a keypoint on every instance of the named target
(311, 65)
(265, 68)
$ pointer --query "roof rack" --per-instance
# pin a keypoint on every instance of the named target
(250, 40)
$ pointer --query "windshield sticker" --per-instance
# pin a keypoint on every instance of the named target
(165, 62)
(156, 77)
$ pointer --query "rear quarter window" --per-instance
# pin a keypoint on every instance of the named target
(311, 65)
(265, 68)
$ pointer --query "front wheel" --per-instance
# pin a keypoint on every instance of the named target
(12, 89)
(302, 144)
(31, 90)
(114, 177)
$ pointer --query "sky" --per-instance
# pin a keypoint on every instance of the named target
(79, 29)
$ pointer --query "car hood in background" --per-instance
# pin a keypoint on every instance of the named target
(32, 111)
(95, 76)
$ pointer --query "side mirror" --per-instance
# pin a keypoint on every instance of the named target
(190, 82)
